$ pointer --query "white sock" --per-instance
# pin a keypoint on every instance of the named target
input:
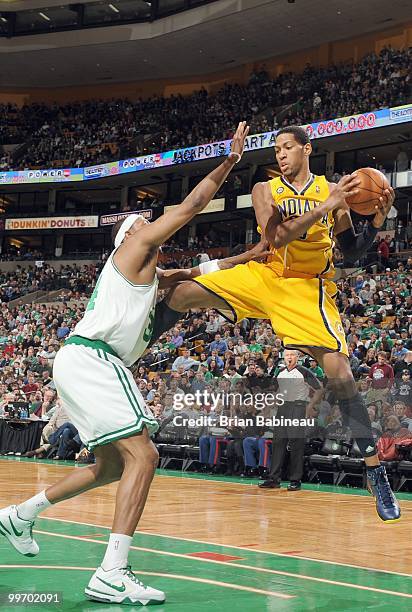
(29, 509)
(117, 551)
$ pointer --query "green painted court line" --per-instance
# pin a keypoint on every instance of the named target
(320, 488)
(200, 546)
(256, 560)
(197, 597)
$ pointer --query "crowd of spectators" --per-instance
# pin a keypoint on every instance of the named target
(78, 279)
(205, 353)
(84, 133)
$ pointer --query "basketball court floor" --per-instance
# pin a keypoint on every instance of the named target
(215, 543)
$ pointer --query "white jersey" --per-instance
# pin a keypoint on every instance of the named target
(120, 313)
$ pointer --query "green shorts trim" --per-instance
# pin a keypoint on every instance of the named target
(94, 344)
(125, 432)
(142, 419)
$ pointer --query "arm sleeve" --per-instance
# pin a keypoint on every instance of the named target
(310, 378)
(353, 246)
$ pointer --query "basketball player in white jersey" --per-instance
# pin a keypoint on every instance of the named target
(98, 390)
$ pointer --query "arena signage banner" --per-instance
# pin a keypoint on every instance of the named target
(140, 163)
(320, 129)
(217, 205)
(244, 201)
(100, 171)
(403, 179)
(51, 175)
(112, 219)
(39, 223)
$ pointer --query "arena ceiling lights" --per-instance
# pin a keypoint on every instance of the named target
(210, 38)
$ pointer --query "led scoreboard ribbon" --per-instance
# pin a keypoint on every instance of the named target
(321, 129)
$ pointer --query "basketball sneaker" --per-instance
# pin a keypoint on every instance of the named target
(121, 586)
(387, 506)
(18, 531)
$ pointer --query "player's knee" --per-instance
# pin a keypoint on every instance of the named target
(180, 297)
(153, 457)
(343, 388)
(144, 460)
(340, 377)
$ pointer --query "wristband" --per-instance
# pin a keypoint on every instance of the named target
(238, 155)
(209, 266)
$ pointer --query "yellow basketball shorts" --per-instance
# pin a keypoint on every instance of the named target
(302, 311)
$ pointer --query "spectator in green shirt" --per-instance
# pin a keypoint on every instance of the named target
(371, 343)
(369, 330)
(385, 342)
(315, 368)
(255, 347)
(371, 308)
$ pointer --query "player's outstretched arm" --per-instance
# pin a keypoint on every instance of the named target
(169, 278)
(163, 228)
(352, 245)
(280, 233)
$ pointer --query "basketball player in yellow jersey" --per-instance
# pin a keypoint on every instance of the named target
(300, 214)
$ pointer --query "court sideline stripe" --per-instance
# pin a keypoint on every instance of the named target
(364, 495)
(216, 480)
(240, 565)
(228, 585)
(243, 548)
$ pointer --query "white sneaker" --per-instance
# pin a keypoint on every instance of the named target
(18, 531)
(121, 586)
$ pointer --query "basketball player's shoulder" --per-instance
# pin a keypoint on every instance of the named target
(261, 190)
(275, 187)
(320, 182)
(322, 178)
(274, 182)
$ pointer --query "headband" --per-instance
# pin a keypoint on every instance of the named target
(125, 226)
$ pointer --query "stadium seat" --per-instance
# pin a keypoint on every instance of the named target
(405, 473)
(325, 467)
(173, 455)
(192, 458)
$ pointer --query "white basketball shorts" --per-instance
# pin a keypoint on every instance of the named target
(100, 395)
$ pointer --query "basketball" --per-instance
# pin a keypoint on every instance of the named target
(373, 184)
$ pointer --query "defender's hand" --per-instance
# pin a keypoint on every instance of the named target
(260, 251)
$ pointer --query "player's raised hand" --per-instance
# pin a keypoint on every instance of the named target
(383, 207)
(238, 142)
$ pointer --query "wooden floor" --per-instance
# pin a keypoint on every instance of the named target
(339, 529)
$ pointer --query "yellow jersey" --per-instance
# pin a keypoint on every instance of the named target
(312, 253)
